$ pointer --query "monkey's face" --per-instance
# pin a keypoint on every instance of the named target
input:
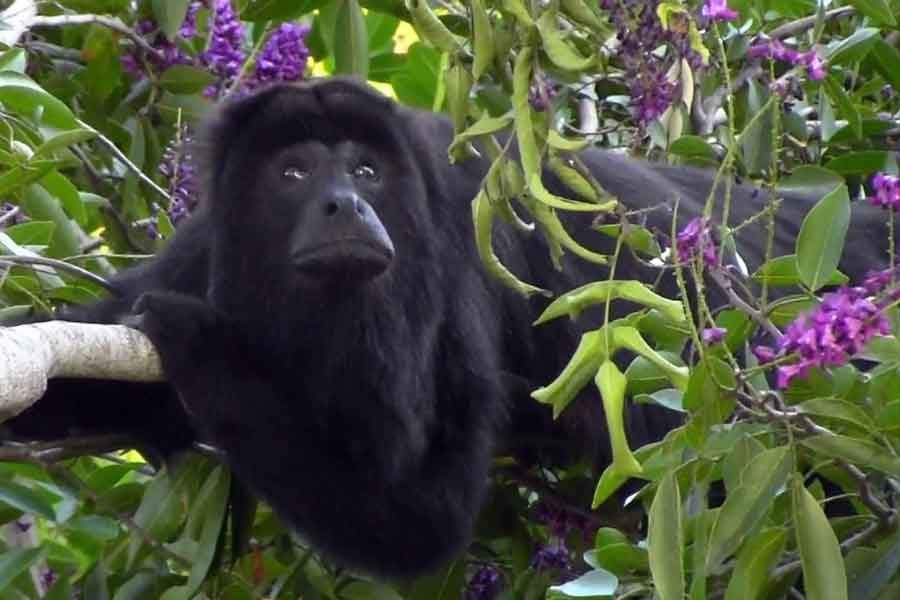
(332, 196)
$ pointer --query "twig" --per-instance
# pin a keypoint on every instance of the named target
(59, 265)
(109, 22)
(105, 141)
(800, 25)
(739, 303)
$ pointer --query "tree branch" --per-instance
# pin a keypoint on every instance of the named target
(31, 354)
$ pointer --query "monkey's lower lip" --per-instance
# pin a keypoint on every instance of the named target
(340, 257)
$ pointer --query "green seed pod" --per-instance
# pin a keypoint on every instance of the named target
(483, 219)
(430, 28)
(483, 39)
(557, 49)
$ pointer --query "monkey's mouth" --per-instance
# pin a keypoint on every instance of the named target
(360, 258)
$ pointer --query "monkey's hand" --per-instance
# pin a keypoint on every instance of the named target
(193, 346)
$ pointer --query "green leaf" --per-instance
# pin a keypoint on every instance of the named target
(169, 14)
(593, 583)
(848, 109)
(26, 500)
(860, 163)
(692, 145)
(63, 140)
(211, 516)
(820, 242)
(13, 59)
(351, 40)
(16, 562)
(812, 180)
(665, 540)
(853, 48)
(855, 451)
(279, 10)
(21, 94)
(32, 233)
(745, 507)
(185, 79)
(782, 272)
(887, 61)
(867, 584)
(751, 571)
(879, 11)
(823, 566)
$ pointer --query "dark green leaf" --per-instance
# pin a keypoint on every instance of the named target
(665, 540)
(879, 11)
(170, 15)
(16, 562)
(853, 48)
(25, 499)
(782, 272)
(351, 41)
(823, 566)
(820, 242)
(185, 79)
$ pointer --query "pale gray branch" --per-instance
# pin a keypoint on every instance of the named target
(32, 354)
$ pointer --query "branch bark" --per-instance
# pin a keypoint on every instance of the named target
(32, 354)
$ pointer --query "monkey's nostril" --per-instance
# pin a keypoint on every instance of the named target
(331, 208)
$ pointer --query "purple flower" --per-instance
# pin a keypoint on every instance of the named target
(542, 92)
(887, 191)
(763, 354)
(696, 238)
(486, 584)
(284, 56)
(178, 169)
(717, 10)
(713, 335)
(815, 66)
(168, 52)
(831, 334)
(552, 556)
(640, 33)
(225, 55)
(774, 49)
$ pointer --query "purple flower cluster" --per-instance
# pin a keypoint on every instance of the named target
(284, 56)
(640, 33)
(178, 168)
(168, 52)
(717, 10)
(829, 335)
(774, 49)
(225, 55)
(887, 191)
(542, 92)
(486, 584)
(697, 238)
(552, 557)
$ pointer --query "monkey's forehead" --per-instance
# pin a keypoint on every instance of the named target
(331, 109)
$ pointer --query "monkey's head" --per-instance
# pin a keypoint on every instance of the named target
(312, 188)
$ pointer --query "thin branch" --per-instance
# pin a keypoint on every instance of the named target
(105, 141)
(800, 25)
(109, 22)
(59, 265)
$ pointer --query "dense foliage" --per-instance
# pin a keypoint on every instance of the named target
(99, 100)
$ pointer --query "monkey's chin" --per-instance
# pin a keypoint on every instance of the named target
(346, 260)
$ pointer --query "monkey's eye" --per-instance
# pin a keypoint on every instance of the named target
(294, 173)
(365, 171)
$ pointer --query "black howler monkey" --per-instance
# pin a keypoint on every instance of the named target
(325, 320)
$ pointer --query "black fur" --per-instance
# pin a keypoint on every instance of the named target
(364, 406)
